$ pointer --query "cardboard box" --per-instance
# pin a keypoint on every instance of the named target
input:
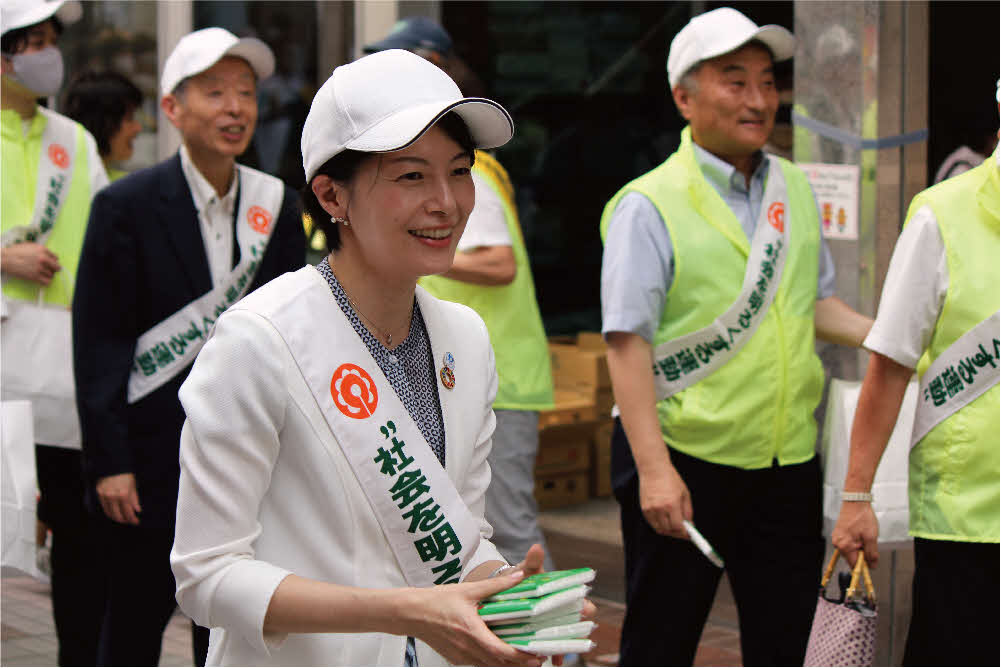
(565, 448)
(570, 407)
(561, 489)
(591, 341)
(575, 368)
(601, 460)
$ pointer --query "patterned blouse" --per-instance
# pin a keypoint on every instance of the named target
(409, 367)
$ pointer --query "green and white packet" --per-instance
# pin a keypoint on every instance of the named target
(564, 614)
(530, 607)
(562, 631)
(536, 623)
(551, 647)
(541, 584)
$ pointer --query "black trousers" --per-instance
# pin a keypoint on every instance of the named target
(766, 524)
(140, 597)
(78, 580)
(954, 619)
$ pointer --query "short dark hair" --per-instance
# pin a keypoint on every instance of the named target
(16, 40)
(100, 101)
(344, 166)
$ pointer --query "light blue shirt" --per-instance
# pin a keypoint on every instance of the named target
(637, 266)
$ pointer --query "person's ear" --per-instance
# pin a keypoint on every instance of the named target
(683, 100)
(171, 106)
(331, 195)
(6, 65)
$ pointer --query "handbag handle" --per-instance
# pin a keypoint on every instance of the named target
(861, 570)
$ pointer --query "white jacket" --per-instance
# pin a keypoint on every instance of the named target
(265, 490)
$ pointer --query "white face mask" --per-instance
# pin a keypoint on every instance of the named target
(39, 71)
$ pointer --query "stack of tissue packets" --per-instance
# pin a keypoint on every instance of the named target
(541, 614)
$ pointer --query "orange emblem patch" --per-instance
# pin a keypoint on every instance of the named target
(777, 216)
(354, 391)
(59, 157)
(259, 219)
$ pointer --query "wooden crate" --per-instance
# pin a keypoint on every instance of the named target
(579, 369)
(557, 490)
(565, 448)
(601, 460)
(570, 407)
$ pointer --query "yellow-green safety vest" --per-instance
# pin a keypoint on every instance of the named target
(20, 158)
(510, 311)
(953, 482)
(758, 407)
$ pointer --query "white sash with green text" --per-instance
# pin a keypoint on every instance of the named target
(170, 346)
(686, 360)
(964, 371)
(55, 168)
(428, 526)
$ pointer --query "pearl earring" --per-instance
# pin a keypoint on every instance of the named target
(338, 219)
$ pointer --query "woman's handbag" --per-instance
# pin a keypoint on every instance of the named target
(37, 362)
(844, 629)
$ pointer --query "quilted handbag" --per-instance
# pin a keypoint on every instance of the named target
(844, 629)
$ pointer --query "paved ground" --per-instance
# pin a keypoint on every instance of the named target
(586, 535)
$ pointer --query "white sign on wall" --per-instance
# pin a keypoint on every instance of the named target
(837, 191)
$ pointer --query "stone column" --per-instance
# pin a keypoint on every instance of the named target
(861, 70)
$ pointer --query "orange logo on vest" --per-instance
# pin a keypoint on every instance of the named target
(259, 219)
(59, 157)
(777, 216)
(354, 391)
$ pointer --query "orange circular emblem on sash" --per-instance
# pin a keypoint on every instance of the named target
(354, 391)
(59, 157)
(777, 216)
(259, 219)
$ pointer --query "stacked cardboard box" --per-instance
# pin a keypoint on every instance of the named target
(570, 465)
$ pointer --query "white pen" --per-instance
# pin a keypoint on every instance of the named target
(703, 544)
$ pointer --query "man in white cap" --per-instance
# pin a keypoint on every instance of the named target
(51, 170)
(714, 279)
(167, 250)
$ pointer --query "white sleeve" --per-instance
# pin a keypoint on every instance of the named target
(487, 224)
(913, 293)
(235, 402)
(473, 485)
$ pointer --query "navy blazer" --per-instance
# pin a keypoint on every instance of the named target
(143, 258)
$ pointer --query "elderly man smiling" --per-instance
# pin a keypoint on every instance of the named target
(714, 279)
(167, 250)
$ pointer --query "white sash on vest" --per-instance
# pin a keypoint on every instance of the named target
(55, 169)
(170, 346)
(964, 371)
(428, 526)
(686, 360)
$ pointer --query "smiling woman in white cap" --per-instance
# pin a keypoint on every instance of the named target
(339, 419)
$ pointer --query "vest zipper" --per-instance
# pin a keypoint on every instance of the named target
(781, 409)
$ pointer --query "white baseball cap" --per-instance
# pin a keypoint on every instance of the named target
(23, 13)
(387, 101)
(200, 50)
(721, 31)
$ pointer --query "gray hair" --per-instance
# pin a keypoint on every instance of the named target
(688, 80)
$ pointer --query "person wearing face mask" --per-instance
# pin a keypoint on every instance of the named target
(106, 104)
(715, 283)
(51, 170)
(167, 250)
